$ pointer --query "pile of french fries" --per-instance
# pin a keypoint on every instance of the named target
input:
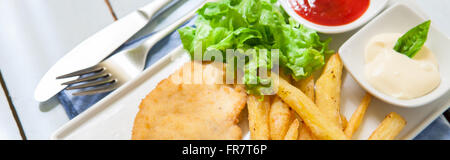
(308, 110)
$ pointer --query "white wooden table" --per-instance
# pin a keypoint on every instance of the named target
(34, 34)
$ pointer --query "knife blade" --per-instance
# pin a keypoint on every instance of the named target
(94, 49)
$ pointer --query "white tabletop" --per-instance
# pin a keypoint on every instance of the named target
(35, 34)
(8, 124)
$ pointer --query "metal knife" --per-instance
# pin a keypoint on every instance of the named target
(94, 49)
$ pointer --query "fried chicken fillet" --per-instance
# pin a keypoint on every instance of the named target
(196, 111)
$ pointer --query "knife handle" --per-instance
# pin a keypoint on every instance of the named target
(150, 9)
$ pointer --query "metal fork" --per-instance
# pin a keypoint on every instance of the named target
(116, 70)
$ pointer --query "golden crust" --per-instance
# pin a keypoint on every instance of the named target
(191, 111)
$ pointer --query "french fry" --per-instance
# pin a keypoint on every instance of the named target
(321, 126)
(280, 118)
(358, 116)
(391, 126)
(306, 86)
(328, 89)
(305, 133)
(292, 133)
(344, 121)
(258, 117)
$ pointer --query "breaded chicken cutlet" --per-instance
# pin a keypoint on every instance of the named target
(196, 111)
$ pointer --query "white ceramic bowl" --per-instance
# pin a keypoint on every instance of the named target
(374, 8)
(397, 19)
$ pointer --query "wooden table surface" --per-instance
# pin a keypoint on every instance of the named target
(34, 34)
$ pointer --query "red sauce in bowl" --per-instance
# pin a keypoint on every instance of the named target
(330, 12)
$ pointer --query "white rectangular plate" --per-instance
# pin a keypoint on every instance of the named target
(113, 116)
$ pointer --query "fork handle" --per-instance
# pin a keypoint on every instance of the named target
(169, 29)
(140, 54)
(150, 9)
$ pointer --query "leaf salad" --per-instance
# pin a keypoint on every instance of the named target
(256, 24)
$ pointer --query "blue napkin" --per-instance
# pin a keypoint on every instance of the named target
(438, 130)
(74, 105)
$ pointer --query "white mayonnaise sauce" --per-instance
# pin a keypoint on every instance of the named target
(397, 75)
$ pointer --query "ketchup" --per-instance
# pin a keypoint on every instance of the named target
(330, 12)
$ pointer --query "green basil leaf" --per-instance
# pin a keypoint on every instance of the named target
(412, 41)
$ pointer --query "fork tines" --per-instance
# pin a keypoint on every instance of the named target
(95, 79)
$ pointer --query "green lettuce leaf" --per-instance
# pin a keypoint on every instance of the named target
(257, 24)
